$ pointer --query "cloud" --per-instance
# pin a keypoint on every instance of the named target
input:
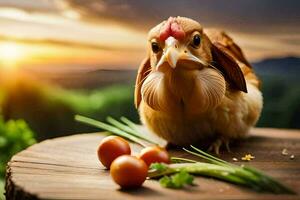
(263, 28)
(64, 43)
(244, 16)
(31, 5)
(37, 25)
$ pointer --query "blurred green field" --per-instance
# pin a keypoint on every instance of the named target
(50, 110)
(281, 102)
(2, 189)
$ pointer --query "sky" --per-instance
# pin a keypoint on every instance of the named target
(112, 34)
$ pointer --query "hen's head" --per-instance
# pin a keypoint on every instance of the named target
(178, 42)
(183, 60)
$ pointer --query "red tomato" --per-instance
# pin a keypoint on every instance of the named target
(129, 171)
(112, 147)
(154, 155)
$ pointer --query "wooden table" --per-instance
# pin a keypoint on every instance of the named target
(68, 168)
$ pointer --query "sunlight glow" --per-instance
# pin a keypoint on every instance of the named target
(10, 54)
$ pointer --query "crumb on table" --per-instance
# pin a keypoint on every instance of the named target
(235, 159)
(284, 152)
(248, 157)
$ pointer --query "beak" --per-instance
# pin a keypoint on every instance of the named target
(173, 53)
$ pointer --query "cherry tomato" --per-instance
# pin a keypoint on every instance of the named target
(129, 171)
(154, 154)
(112, 147)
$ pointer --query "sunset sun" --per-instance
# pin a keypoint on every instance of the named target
(10, 54)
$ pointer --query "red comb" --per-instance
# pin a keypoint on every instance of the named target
(171, 28)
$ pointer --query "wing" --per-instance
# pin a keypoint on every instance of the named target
(226, 43)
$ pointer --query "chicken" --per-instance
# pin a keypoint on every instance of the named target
(195, 86)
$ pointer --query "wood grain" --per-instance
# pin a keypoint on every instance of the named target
(68, 168)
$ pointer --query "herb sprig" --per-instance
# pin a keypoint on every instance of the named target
(175, 181)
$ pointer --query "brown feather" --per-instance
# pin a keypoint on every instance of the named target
(233, 49)
(228, 66)
(143, 71)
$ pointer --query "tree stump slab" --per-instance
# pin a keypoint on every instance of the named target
(68, 168)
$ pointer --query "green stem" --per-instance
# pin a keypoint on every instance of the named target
(204, 169)
(127, 129)
(131, 124)
(182, 160)
(109, 128)
(209, 156)
(202, 156)
(279, 187)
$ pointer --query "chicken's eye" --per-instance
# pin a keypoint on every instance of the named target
(196, 41)
(155, 47)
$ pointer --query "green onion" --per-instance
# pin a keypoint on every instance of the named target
(109, 128)
(128, 129)
(131, 124)
(180, 160)
(222, 170)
